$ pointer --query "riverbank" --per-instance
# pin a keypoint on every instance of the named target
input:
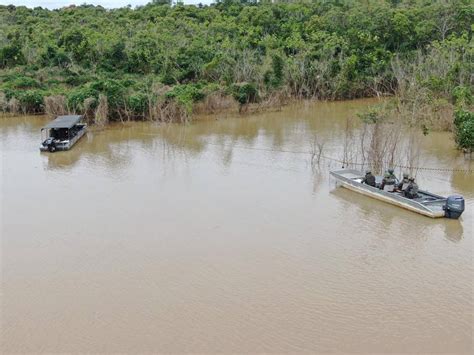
(210, 109)
(161, 62)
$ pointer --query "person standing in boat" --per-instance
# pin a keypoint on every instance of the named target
(402, 185)
(412, 188)
(369, 179)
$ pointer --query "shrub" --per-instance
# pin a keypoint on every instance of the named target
(53, 56)
(372, 115)
(245, 93)
(11, 55)
(186, 94)
(138, 103)
(464, 129)
(189, 91)
(25, 82)
(465, 135)
(112, 89)
(77, 78)
(76, 98)
(462, 95)
(31, 101)
(274, 78)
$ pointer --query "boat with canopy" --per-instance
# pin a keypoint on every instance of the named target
(62, 133)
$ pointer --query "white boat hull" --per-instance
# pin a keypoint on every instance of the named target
(66, 145)
(350, 179)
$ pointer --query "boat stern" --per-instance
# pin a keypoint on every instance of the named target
(454, 207)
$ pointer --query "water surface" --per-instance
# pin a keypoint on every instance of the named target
(215, 237)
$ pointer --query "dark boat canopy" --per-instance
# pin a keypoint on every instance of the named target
(63, 122)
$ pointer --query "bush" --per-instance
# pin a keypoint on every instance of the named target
(186, 95)
(188, 91)
(78, 78)
(138, 103)
(372, 115)
(274, 78)
(53, 56)
(245, 93)
(25, 82)
(16, 81)
(31, 101)
(76, 98)
(464, 129)
(462, 95)
(11, 55)
(112, 89)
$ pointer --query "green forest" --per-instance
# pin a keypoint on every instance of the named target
(162, 61)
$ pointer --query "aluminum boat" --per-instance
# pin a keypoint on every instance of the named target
(426, 203)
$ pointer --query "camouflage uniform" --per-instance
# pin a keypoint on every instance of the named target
(404, 182)
(387, 180)
(412, 189)
(369, 179)
(392, 175)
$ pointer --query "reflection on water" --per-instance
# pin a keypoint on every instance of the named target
(218, 236)
(405, 223)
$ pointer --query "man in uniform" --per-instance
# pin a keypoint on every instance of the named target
(412, 188)
(388, 183)
(402, 185)
(369, 179)
(392, 175)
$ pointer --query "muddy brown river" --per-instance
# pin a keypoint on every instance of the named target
(217, 237)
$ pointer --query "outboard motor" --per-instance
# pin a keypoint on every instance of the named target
(454, 206)
(52, 146)
(49, 144)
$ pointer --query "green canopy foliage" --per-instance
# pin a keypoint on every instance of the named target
(329, 49)
(464, 129)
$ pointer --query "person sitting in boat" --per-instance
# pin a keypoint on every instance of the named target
(392, 175)
(388, 183)
(369, 179)
(412, 189)
(402, 185)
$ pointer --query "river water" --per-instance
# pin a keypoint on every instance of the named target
(215, 237)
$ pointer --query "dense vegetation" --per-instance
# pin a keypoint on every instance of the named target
(158, 61)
